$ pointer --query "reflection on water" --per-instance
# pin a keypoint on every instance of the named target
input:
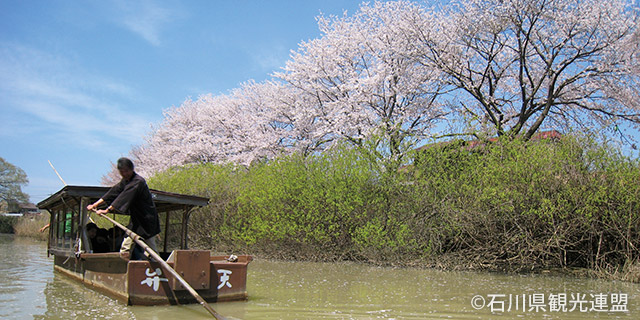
(301, 290)
(67, 299)
(24, 272)
(281, 290)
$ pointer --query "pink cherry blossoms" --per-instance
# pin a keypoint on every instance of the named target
(396, 73)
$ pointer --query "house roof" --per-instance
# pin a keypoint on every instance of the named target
(29, 206)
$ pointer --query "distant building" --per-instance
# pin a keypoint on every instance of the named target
(15, 209)
(28, 208)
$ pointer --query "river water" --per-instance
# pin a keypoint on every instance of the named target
(29, 289)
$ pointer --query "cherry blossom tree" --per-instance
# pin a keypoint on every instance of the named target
(238, 127)
(519, 65)
(391, 71)
(357, 81)
(113, 176)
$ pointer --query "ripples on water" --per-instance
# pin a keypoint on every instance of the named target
(29, 289)
(22, 277)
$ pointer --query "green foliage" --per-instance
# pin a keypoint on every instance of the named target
(12, 179)
(511, 204)
(316, 200)
(532, 204)
(216, 223)
(7, 223)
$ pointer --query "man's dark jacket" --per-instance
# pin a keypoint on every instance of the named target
(133, 197)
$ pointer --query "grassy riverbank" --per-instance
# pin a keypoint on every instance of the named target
(26, 226)
(510, 206)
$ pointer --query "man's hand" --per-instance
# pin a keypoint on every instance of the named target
(93, 206)
(102, 212)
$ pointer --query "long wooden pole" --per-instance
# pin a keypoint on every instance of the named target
(165, 265)
(56, 171)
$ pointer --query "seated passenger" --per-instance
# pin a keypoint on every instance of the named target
(98, 238)
(116, 235)
(102, 241)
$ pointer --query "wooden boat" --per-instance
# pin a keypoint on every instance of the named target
(215, 278)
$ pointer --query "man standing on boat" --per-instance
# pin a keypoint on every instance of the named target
(132, 196)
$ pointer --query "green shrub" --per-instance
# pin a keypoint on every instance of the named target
(507, 204)
(533, 204)
(7, 223)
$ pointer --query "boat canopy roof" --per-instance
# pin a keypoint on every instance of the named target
(164, 201)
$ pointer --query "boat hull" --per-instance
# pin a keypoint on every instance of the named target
(146, 283)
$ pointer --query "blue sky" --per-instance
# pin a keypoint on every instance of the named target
(81, 82)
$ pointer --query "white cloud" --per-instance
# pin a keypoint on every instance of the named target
(270, 58)
(65, 101)
(145, 18)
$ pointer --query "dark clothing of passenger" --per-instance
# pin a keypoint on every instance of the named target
(100, 246)
(133, 197)
(116, 235)
(100, 242)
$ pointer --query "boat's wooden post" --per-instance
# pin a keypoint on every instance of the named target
(166, 230)
(63, 218)
(165, 266)
(83, 222)
(53, 226)
(185, 226)
(50, 232)
(183, 231)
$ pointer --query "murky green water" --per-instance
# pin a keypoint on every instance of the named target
(29, 289)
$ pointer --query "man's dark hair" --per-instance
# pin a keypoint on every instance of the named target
(125, 163)
(91, 225)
